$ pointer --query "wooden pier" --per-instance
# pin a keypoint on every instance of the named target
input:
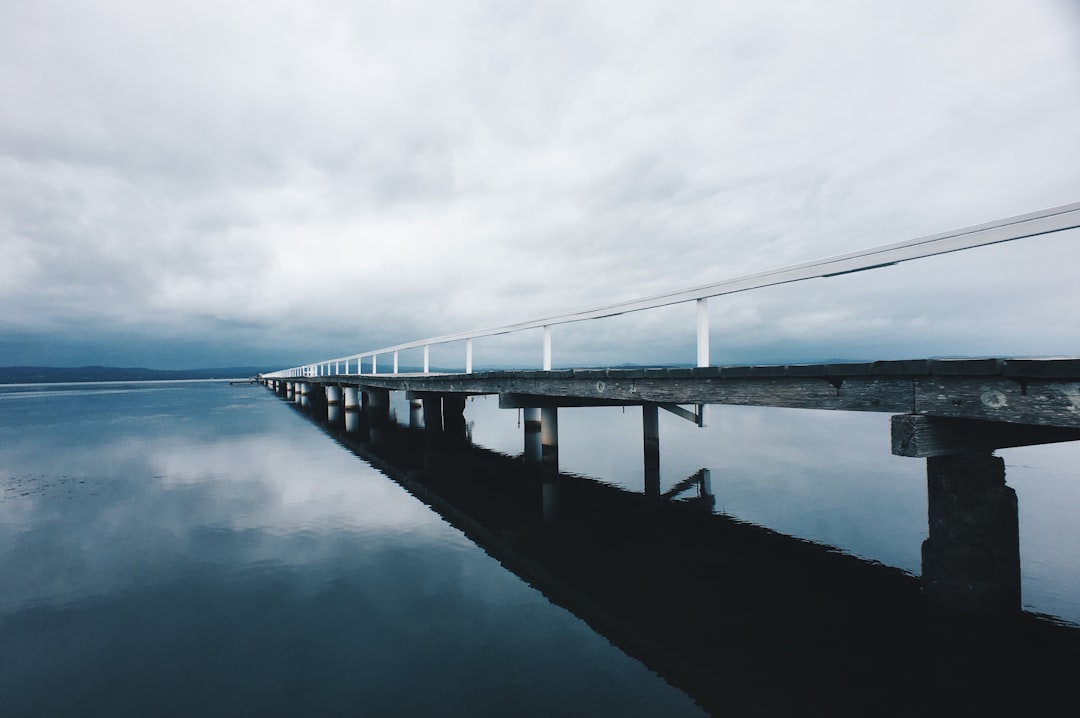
(953, 413)
(944, 406)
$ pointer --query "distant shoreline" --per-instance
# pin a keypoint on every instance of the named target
(90, 374)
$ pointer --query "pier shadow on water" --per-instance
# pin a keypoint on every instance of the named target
(745, 620)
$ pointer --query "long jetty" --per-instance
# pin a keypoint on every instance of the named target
(952, 412)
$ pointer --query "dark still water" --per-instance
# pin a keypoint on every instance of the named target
(205, 549)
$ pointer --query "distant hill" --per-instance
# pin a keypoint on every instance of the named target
(47, 374)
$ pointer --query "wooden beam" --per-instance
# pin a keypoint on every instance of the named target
(694, 417)
(1018, 401)
(532, 401)
(925, 436)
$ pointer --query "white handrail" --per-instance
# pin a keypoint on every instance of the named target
(1054, 219)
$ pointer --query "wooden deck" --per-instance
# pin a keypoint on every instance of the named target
(1030, 392)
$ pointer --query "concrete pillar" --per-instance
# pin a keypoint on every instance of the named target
(333, 395)
(290, 390)
(549, 436)
(533, 452)
(378, 404)
(377, 410)
(453, 410)
(433, 420)
(416, 413)
(971, 558)
(352, 397)
(352, 420)
(650, 424)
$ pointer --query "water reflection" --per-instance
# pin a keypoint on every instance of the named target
(202, 552)
(746, 620)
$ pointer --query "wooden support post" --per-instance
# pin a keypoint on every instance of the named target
(971, 558)
(650, 425)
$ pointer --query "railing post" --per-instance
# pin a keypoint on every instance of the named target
(374, 364)
(468, 356)
(703, 332)
(547, 347)
(395, 363)
(427, 358)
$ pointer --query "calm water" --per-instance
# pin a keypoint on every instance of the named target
(200, 548)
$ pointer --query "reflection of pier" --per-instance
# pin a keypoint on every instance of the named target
(953, 413)
(746, 620)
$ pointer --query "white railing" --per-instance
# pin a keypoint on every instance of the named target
(1055, 219)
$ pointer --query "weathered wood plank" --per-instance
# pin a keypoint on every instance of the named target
(532, 401)
(1041, 402)
(924, 436)
(852, 394)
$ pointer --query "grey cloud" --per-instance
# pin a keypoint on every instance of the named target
(380, 173)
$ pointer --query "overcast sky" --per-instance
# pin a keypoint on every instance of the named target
(222, 183)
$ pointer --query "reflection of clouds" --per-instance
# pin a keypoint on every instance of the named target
(231, 566)
(304, 482)
(148, 507)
